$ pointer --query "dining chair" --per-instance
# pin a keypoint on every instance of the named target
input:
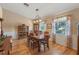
(28, 40)
(34, 43)
(45, 41)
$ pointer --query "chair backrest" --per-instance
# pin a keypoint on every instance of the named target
(46, 33)
(28, 37)
(31, 34)
(47, 37)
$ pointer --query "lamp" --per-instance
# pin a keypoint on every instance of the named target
(37, 17)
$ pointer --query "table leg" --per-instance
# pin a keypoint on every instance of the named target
(38, 46)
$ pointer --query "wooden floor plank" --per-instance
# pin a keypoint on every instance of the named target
(20, 48)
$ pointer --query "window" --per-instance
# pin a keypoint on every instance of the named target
(62, 26)
(42, 26)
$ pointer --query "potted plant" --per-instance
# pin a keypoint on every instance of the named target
(2, 38)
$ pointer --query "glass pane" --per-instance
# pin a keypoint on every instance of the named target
(42, 26)
(60, 25)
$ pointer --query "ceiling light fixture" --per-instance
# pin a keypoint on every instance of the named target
(26, 4)
(37, 17)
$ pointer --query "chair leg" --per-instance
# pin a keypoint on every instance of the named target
(2, 52)
(44, 47)
(48, 46)
(8, 52)
(33, 47)
(28, 43)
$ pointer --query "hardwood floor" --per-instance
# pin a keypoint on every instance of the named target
(20, 48)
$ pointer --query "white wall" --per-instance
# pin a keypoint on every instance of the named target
(74, 40)
(10, 31)
(11, 21)
(0, 12)
(61, 39)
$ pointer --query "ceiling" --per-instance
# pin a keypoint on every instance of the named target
(44, 8)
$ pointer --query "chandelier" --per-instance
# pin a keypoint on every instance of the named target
(37, 17)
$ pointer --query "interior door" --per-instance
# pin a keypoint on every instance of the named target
(78, 41)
